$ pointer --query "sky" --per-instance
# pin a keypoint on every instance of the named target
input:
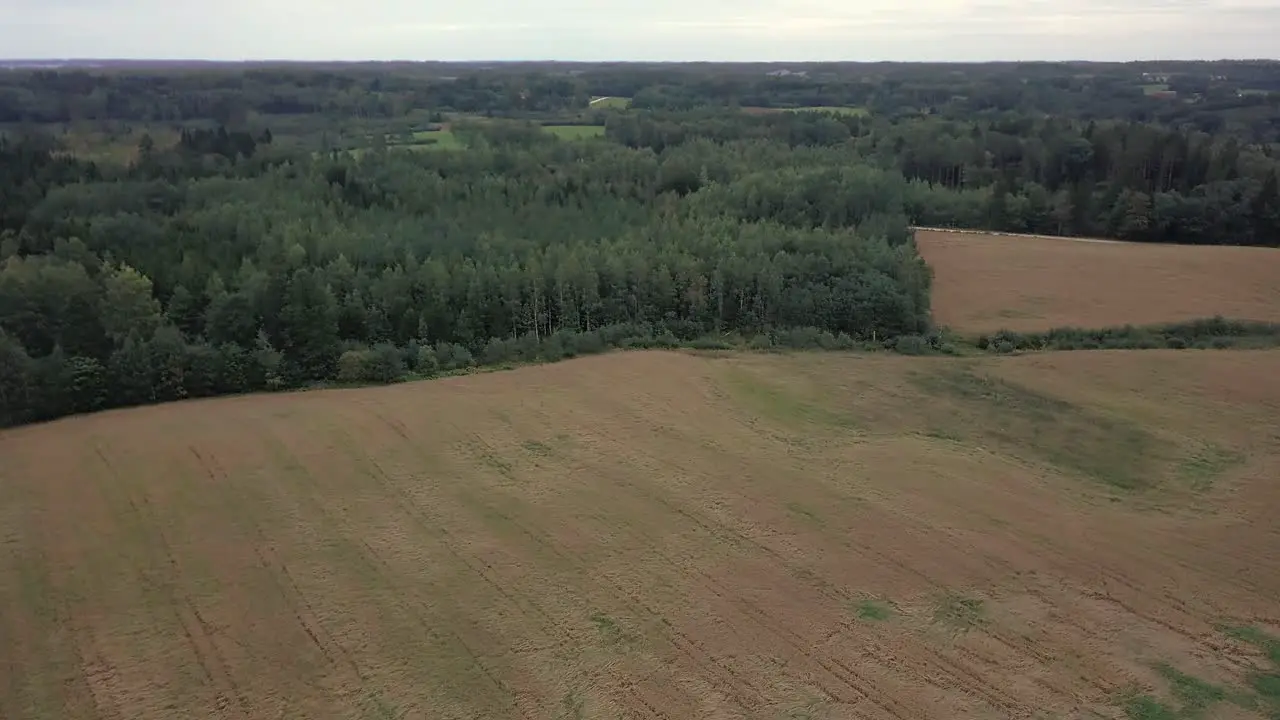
(671, 30)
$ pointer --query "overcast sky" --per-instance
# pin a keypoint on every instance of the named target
(649, 30)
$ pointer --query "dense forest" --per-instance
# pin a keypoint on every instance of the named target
(269, 227)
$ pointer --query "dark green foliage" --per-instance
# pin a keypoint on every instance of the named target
(233, 258)
(1212, 333)
(911, 345)
(361, 271)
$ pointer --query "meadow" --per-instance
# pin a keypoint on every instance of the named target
(610, 103)
(575, 132)
(658, 534)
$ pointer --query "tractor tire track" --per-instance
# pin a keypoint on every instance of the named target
(374, 563)
(332, 650)
(212, 664)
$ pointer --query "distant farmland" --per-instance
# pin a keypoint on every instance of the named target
(985, 283)
(611, 103)
(839, 110)
(575, 132)
(447, 140)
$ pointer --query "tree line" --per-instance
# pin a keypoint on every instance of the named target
(128, 287)
(1134, 181)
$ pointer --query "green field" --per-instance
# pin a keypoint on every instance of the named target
(842, 110)
(434, 140)
(575, 132)
(611, 103)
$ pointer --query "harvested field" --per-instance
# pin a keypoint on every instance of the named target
(659, 535)
(985, 283)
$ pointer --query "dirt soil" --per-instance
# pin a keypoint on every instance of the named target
(985, 283)
(654, 535)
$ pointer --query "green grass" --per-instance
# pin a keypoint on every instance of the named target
(1206, 464)
(533, 447)
(434, 140)
(611, 633)
(874, 611)
(960, 612)
(575, 132)
(1145, 707)
(1152, 88)
(1113, 450)
(779, 404)
(611, 103)
(1266, 683)
(1196, 695)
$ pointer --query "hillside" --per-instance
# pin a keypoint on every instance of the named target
(659, 535)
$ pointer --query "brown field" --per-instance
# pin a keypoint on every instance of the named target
(985, 283)
(658, 535)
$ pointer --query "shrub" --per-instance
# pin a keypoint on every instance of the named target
(911, 345)
(427, 364)
(353, 366)
(385, 364)
(710, 343)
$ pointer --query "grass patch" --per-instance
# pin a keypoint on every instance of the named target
(804, 512)
(874, 611)
(1145, 707)
(1196, 695)
(611, 632)
(1204, 466)
(1266, 683)
(432, 140)
(779, 404)
(575, 132)
(610, 103)
(960, 612)
(1101, 447)
(572, 707)
(533, 447)
(1263, 641)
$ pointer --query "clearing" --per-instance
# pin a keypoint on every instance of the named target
(660, 535)
(575, 132)
(989, 282)
(610, 103)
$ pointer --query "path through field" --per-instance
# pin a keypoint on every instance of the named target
(652, 535)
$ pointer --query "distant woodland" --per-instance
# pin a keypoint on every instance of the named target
(172, 232)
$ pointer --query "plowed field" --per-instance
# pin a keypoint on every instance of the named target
(985, 283)
(660, 535)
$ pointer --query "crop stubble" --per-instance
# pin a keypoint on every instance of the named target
(635, 535)
(986, 283)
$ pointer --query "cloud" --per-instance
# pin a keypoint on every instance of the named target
(652, 30)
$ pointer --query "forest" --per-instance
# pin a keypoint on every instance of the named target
(270, 227)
